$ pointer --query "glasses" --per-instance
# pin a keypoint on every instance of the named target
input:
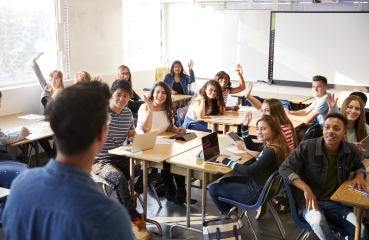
(126, 73)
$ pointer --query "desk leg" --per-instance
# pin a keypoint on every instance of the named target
(25, 153)
(132, 176)
(36, 154)
(359, 215)
(239, 99)
(203, 197)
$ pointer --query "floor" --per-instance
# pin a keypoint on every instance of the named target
(171, 213)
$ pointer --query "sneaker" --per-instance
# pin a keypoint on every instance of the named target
(261, 211)
(139, 230)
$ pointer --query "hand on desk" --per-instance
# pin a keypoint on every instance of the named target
(235, 108)
(181, 130)
(173, 92)
(25, 131)
(359, 181)
(220, 159)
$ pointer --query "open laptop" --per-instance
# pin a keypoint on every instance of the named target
(211, 151)
(141, 142)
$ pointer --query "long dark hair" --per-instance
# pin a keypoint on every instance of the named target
(218, 102)
(219, 75)
(182, 73)
(168, 104)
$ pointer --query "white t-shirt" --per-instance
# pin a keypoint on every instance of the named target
(160, 121)
(351, 134)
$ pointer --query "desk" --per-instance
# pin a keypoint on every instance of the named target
(231, 124)
(254, 132)
(187, 165)
(156, 158)
(179, 101)
(4, 192)
(37, 128)
(297, 99)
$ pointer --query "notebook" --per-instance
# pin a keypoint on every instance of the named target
(141, 142)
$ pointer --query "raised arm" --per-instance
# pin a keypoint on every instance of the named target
(255, 103)
(305, 115)
(37, 70)
(332, 103)
(192, 74)
(145, 116)
(199, 105)
(242, 85)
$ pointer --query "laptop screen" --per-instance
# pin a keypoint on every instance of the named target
(210, 146)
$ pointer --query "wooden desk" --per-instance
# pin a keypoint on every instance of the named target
(156, 157)
(187, 165)
(297, 99)
(180, 100)
(4, 192)
(232, 124)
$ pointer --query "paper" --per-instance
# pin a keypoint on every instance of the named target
(216, 117)
(235, 150)
(164, 141)
(32, 117)
(123, 152)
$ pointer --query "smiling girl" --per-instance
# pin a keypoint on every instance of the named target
(178, 80)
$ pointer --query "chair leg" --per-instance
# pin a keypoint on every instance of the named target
(304, 234)
(107, 192)
(250, 225)
(155, 194)
(277, 219)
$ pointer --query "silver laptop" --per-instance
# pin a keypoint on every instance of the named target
(141, 142)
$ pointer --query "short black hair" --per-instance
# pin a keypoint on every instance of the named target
(122, 84)
(77, 116)
(339, 116)
(320, 78)
(359, 94)
(1, 95)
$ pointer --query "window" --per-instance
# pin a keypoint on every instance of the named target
(27, 27)
(141, 33)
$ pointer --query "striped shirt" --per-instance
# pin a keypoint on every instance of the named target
(118, 130)
(286, 129)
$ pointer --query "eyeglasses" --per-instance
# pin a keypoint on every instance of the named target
(126, 73)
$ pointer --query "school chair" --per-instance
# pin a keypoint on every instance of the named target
(147, 89)
(9, 170)
(270, 189)
(246, 102)
(181, 114)
(299, 219)
(286, 104)
(314, 131)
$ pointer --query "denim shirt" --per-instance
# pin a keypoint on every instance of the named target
(59, 201)
(169, 79)
(308, 163)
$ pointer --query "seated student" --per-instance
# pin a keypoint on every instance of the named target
(83, 76)
(318, 167)
(365, 99)
(50, 91)
(207, 101)
(178, 80)
(113, 169)
(225, 83)
(6, 139)
(247, 187)
(124, 73)
(319, 108)
(156, 114)
(60, 200)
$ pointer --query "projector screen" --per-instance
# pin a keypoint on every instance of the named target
(331, 44)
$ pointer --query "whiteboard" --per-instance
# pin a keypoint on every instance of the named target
(218, 39)
(331, 44)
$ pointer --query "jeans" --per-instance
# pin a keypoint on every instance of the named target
(167, 177)
(238, 188)
(333, 212)
(195, 125)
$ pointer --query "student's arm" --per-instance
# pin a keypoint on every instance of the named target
(178, 130)
(359, 170)
(310, 198)
(136, 97)
(332, 103)
(305, 115)
(199, 106)
(191, 79)
(249, 143)
(131, 134)
(37, 70)
(6, 139)
(255, 103)
(242, 86)
(145, 116)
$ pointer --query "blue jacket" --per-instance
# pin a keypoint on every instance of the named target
(185, 80)
(308, 163)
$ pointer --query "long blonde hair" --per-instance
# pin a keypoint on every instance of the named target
(61, 86)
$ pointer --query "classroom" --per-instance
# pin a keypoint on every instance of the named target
(269, 49)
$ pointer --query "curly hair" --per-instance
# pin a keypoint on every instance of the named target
(222, 74)
(218, 102)
(82, 76)
(168, 104)
(278, 141)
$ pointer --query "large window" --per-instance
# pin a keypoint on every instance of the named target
(141, 33)
(26, 27)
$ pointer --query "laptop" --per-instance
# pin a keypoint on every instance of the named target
(211, 151)
(141, 142)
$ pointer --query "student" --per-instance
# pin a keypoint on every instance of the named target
(365, 99)
(317, 168)
(178, 80)
(225, 83)
(83, 76)
(353, 108)
(60, 200)
(156, 114)
(247, 187)
(274, 108)
(114, 169)
(124, 73)
(6, 139)
(208, 101)
(50, 91)
(319, 108)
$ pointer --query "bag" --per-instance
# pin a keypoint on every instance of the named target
(223, 228)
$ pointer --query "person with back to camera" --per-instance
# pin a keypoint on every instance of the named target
(61, 200)
(178, 80)
(156, 114)
(207, 101)
(247, 187)
(83, 76)
(225, 83)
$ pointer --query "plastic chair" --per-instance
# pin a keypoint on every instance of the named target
(314, 131)
(300, 221)
(286, 104)
(246, 102)
(9, 170)
(270, 189)
(147, 89)
(181, 113)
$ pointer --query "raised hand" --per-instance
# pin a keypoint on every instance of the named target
(239, 70)
(149, 103)
(191, 63)
(96, 79)
(33, 60)
(331, 101)
(248, 90)
(246, 121)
